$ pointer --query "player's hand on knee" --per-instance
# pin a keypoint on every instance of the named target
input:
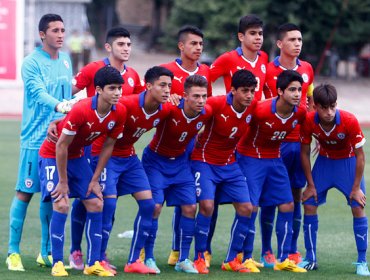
(95, 188)
(358, 196)
(61, 190)
(309, 192)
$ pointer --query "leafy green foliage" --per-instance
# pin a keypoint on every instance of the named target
(348, 21)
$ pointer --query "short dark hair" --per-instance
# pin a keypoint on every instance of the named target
(249, 21)
(286, 27)
(243, 78)
(195, 81)
(46, 19)
(107, 75)
(116, 32)
(286, 77)
(188, 29)
(325, 95)
(154, 73)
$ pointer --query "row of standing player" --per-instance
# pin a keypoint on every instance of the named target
(190, 44)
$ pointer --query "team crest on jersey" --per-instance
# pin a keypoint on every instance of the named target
(341, 136)
(305, 77)
(111, 124)
(66, 64)
(248, 118)
(28, 183)
(294, 124)
(263, 68)
(198, 191)
(199, 125)
(156, 121)
(102, 186)
(50, 186)
(130, 81)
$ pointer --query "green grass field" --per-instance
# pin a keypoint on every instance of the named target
(336, 245)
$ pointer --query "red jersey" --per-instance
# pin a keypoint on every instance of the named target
(338, 143)
(274, 68)
(85, 78)
(267, 130)
(180, 75)
(176, 131)
(216, 145)
(137, 123)
(230, 62)
(86, 125)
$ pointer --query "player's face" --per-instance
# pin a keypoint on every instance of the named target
(243, 97)
(326, 113)
(160, 89)
(192, 47)
(292, 94)
(291, 44)
(252, 39)
(110, 93)
(54, 36)
(120, 48)
(195, 99)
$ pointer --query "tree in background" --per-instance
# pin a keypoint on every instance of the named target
(344, 24)
(102, 16)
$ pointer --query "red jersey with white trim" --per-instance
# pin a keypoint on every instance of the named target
(230, 62)
(176, 131)
(85, 78)
(267, 130)
(180, 75)
(341, 141)
(86, 125)
(217, 143)
(137, 123)
(274, 68)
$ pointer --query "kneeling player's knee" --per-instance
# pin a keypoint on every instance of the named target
(358, 212)
(244, 209)
(189, 210)
(93, 205)
(310, 210)
(206, 208)
(61, 207)
(157, 210)
(286, 207)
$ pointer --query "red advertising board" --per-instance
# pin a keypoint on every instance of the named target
(8, 66)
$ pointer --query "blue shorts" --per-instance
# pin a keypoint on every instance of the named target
(334, 173)
(267, 180)
(28, 172)
(79, 176)
(125, 176)
(87, 153)
(228, 180)
(291, 155)
(171, 180)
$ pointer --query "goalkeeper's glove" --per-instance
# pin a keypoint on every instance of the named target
(66, 105)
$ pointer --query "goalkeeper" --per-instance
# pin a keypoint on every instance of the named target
(47, 75)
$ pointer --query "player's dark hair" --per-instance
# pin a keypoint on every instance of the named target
(188, 29)
(249, 21)
(46, 19)
(325, 95)
(116, 32)
(243, 78)
(286, 27)
(106, 76)
(286, 77)
(195, 81)
(155, 73)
